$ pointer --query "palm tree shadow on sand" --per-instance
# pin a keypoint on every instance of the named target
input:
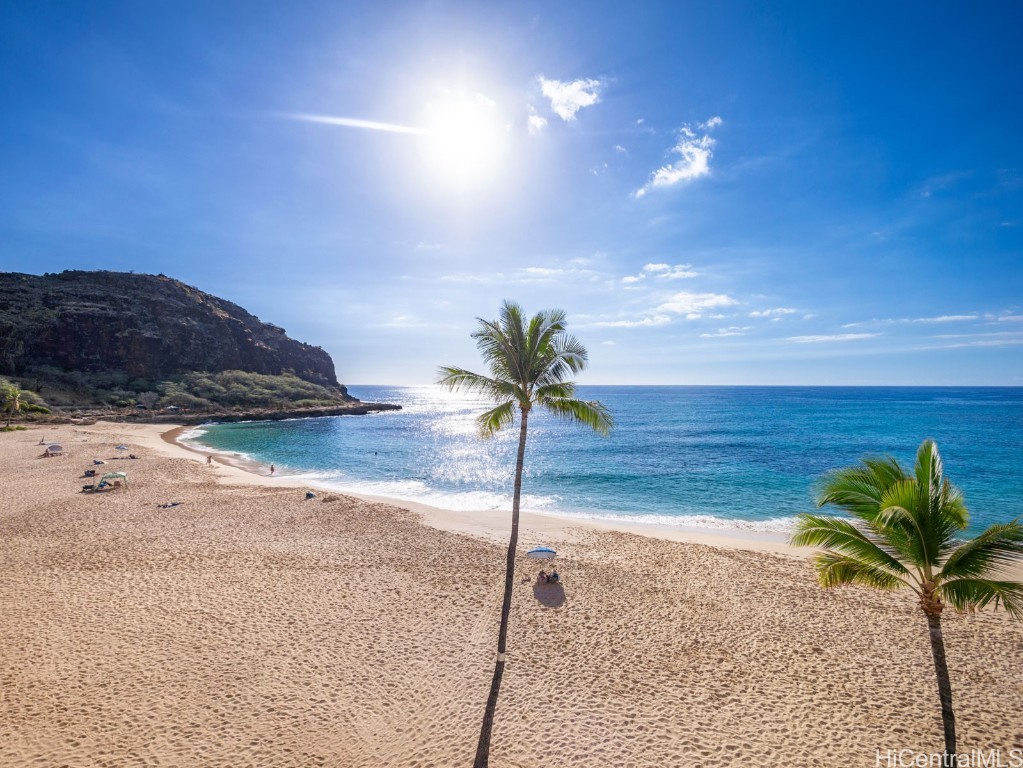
(549, 595)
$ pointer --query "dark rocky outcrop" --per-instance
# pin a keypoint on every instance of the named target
(149, 327)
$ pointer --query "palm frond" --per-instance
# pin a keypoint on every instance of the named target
(565, 356)
(496, 349)
(513, 326)
(546, 331)
(589, 412)
(842, 536)
(495, 419)
(997, 546)
(561, 389)
(929, 467)
(942, 495)
(461, 380)
(931, 521)
(835, 569)
(858, 490)
(972, 593)
(904, 512)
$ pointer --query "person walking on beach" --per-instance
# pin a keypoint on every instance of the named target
(209, 459)
(271, 470)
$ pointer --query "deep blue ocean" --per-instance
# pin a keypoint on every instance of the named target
(740, 457)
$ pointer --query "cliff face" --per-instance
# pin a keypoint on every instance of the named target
(147, 326)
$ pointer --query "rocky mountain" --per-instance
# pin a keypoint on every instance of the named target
(150, 328)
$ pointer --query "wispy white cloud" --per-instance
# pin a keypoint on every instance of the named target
(694, 150)
(422, 245)
(620, 148)
(536, 123)
(662, 272)
(694, 305)
(825, 338)
(986, 343)
(355, 122)
(567, 98)
(609, 343)
(922, 320)
(1001, 334)
(775, 312)
(678, 272)
(644, 322)
(945, 319)
(730, 331)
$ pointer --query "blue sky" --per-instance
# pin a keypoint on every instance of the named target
(744, 193)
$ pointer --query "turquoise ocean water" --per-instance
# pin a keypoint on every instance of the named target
(734, 457)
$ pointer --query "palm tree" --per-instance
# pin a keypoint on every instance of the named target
(529, 363)
(904, 535)
(12, 401)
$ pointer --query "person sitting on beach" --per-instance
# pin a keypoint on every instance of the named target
(541, 578)
(554, 578)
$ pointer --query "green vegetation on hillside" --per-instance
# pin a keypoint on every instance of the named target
(199, 390)
(241, 389)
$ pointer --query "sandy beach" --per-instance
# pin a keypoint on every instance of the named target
(250, 626)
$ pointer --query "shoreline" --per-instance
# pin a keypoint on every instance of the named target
(494, 525)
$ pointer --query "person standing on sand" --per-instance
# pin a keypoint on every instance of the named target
(209, 459)
(271, 470)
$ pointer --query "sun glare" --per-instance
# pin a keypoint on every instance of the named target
(465, 140)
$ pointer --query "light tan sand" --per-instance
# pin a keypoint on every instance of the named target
(249, 626)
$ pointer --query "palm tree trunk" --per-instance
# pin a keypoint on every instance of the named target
(948, 717)
(483, 746)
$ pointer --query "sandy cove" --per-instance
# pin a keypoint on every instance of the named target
(249, 626)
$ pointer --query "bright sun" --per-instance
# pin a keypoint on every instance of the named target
(465, 141)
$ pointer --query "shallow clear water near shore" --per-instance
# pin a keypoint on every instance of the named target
(716, 457)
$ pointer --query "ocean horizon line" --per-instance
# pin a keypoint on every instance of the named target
(748, 386)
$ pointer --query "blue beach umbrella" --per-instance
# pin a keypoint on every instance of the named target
(545, 553)
(541, 553)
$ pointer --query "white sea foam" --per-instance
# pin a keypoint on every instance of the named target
(191, 437)
(769, 525)
(193, 434)
(420, 492)
(471, 501)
